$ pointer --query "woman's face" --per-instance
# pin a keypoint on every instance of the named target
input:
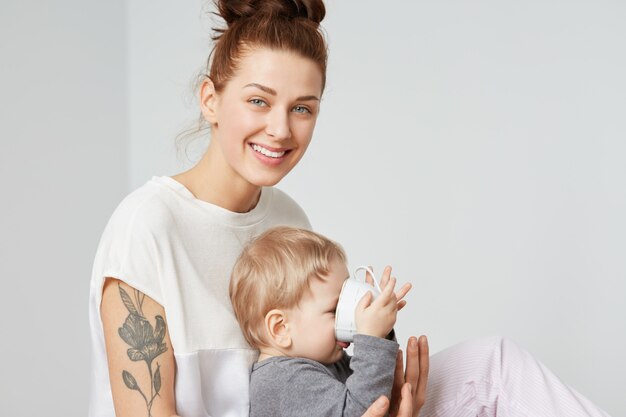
(263, 119)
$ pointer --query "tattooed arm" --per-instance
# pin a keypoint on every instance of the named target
(140, 356)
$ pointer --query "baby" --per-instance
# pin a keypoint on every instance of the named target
(284, 290)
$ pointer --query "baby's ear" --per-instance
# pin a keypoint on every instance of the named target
(277, 328)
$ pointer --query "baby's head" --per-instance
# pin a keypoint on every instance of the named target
(284, 290)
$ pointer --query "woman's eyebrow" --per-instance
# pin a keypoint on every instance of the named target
(268, 90)
(273, 92)
(307, 98)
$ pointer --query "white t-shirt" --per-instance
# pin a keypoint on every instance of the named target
(179, 251)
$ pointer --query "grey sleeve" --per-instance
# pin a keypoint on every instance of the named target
(301, 387)
(373, 365)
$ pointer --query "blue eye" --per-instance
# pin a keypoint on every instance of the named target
(257, 102)
(301, 109)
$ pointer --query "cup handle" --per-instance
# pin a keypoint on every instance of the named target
(369, 270)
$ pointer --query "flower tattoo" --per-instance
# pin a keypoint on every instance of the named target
(146, 343)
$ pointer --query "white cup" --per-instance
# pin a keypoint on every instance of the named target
(351, 293)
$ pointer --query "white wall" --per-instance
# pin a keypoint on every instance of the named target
(490, 137)
(63, 157)
(478, 147)
(168, 44)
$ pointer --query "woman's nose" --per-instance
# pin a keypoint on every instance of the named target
(278, 125)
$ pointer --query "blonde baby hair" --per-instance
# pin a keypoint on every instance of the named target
(274, 271)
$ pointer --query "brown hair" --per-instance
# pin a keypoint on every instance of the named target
(288, 25)
(291, 25)
(274, 271)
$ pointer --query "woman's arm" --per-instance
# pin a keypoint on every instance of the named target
(139, 352)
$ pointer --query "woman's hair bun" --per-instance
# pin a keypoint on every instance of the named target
(233, 10)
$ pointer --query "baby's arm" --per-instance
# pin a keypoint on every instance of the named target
(373, 366)
(375, 352)
(292, 387)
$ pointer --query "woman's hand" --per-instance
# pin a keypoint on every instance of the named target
(409, 387)
(381, 405)
(379, 408)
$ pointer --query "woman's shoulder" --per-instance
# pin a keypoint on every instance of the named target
(149, 206)
(127, 247)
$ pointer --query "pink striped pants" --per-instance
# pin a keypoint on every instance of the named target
(494, 377)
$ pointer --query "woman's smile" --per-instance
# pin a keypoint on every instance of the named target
(267, 151)
(268, 155)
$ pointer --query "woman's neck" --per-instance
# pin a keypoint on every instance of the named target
(214, 181)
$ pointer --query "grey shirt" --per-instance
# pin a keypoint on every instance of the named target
(291, 387)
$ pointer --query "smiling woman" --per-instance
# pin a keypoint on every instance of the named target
(159, 305)
(262, 122)
(165, 339)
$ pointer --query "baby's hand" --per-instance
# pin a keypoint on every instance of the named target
(383, 283)
(377, 318)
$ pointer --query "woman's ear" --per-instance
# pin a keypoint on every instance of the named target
(277, 328)
(208, 101)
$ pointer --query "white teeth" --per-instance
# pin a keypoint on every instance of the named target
(267, 152)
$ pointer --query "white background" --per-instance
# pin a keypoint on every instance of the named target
(63, 169)
(477, 147)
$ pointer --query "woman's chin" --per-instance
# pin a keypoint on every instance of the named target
(265, 182)
(267, 179)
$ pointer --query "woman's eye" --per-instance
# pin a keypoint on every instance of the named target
(301, 109)
(257, 102)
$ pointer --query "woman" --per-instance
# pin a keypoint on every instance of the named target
(164, 336)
